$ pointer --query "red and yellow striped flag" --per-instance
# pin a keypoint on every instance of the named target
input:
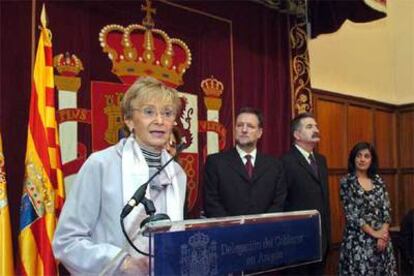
(43, 190)
(6, 249)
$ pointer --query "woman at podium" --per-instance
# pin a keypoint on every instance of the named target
(89, 238)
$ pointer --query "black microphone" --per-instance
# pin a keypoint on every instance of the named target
(140, 193)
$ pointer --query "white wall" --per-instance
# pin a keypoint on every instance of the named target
(372, 60)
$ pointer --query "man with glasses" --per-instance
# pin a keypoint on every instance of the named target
(88, 238)
(243, 181)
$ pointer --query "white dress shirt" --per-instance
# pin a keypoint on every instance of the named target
(242, 154)
(305, 153)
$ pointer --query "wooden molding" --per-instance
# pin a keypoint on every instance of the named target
(359, 101)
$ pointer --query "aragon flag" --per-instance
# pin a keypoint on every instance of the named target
(6, 249)
(43, 190)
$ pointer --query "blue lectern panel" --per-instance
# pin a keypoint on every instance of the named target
(242, 247)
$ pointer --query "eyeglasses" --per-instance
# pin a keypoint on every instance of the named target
(151, 112)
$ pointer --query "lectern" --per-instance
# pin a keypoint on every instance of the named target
(248, 244)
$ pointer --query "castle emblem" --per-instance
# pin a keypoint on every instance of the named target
(113, 113)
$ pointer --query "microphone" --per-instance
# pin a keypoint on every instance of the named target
(140, 192)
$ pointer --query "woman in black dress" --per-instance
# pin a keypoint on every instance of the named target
(366, 247)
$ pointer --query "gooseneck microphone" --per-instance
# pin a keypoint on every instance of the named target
(139, 197)
(140, 192)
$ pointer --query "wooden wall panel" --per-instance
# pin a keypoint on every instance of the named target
(390, 182)
(407, 181)
(406, 138)
(331, 117)
(343, 122)
(385, 129)
(346, 120)
(332, 262)
(360, 125)
(337, 213)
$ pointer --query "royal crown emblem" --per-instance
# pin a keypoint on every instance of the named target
(67, 65)
(212, 87)
(140, 50)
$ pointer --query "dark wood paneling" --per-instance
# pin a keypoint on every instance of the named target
(407, 184)
(390, 182)
(337, 213)
(345, 120)
(360, 125)
(406, 138)
(331, 117)
(332, 262)
(384, 136)
(357, 100)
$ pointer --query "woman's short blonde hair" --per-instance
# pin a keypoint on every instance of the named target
(148, 89)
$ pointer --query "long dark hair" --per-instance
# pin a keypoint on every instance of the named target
(373, 168)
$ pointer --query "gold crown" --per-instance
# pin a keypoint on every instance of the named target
(67, 65)
(140, 50)
(212, 87)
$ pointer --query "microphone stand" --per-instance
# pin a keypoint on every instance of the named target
(139, 197)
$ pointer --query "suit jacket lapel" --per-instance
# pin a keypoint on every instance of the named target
(304, 163)
(237, 164)
(322, 171)
(260, 166)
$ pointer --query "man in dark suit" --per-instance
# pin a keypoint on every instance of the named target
(307, 183)
(243, 181)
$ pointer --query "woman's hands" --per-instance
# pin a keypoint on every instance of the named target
(382, 235)
(133, 265)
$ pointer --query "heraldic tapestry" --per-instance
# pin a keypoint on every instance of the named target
(220, 56)
(110, 44)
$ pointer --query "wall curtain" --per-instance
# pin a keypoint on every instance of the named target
(258, 53)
